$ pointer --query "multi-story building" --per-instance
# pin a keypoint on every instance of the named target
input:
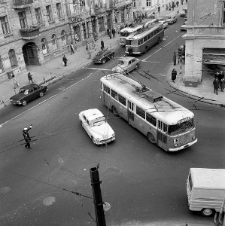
(205, 38)
(33, 32)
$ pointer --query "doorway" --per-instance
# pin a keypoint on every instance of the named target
(30, 54)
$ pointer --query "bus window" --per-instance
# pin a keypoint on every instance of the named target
(151, 119)
(106, 89)
(145, 38)
(130, 105)
(140, 41)
(140, 112)
(114, 94)
(122, 100)
(164, 127)
(160, 125)
(128, 42)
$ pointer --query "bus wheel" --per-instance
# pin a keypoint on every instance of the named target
(207, 212)
(114, 110)
(151, 138)
(159, 40)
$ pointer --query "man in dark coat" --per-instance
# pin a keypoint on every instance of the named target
(173, 75)
(102, 45)
(216, 85)
(174, 58)
(113, 32)
(26, 136)
(64, 60)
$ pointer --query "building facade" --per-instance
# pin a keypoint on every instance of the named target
(205, 38)
(33, 32)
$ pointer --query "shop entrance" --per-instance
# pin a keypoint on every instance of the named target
(30, 54)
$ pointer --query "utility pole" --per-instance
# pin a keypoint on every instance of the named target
(98, 203)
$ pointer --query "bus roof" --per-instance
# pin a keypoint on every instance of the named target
(144, 32)
(131, 29)
(163, 108)
(208, 178)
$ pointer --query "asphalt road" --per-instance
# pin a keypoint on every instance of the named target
(142, 183)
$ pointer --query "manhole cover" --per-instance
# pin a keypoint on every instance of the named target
(106, 206)
(48, 201)
(5, 190)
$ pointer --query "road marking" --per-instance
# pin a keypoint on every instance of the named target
(99, 69)
(162, 47)
(43, 101)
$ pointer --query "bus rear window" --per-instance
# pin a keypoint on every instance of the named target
(181, 127)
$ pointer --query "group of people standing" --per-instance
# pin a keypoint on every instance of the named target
(111, 33)
(219, 82)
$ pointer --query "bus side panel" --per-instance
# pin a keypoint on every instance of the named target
(123, 111)
(139, 123)
(106, 99)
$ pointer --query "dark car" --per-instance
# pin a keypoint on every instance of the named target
(103, 56)
(28, 93)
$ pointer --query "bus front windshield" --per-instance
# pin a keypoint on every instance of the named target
(181, 127)
(124, 34)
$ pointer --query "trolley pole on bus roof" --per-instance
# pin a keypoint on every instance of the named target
(98, 203)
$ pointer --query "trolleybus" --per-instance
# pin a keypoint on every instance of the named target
(143, 40)
(164, 122)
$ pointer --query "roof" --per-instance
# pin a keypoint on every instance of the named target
(131, 29)
(29, 86)
(164, 109)
(91, 114)
(208, 178)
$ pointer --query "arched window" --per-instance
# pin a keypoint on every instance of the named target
(44, 46)
(54, 42)
(12, 58)
(63, 38)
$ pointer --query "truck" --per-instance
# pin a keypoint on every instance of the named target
(206, 190)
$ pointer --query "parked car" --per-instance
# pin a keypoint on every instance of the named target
(28, 93)
(103, 56)
(164, 23)
(96, 126)
(184, 26)
(127, 64)
(183, 13)
(171, 19)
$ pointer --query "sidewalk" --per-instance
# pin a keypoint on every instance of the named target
(54, 69)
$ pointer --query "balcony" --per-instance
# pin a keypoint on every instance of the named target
(22, 4)
(30, 33)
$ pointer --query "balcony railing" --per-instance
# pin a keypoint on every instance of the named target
(30, 33)
(21, 4)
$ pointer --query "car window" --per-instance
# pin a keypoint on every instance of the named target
(36, 87)
(121, 62)
(31, 90)
(99, 121)
(26, 92)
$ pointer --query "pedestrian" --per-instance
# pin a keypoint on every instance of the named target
(26, 136)
(64, 59)
(130, 50)
(114, 32)
(222, 82)
(173, 75)
(216, 85)
(159, 9)
(118, 28)
(174, 58)
(71, 48)
(75, 45)
(30, 79)
(16, 84)
(102, 45)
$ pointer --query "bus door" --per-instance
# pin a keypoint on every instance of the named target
(161, 135)
(130, 113)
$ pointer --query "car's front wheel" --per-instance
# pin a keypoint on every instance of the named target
(103, 61)
(41, 94)
(24, 102)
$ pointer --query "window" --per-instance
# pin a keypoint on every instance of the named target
(1, 65)
(63, 38)
(114, 94)
(44, 46)
(38, 15)
(49, 13)
(54, 42)
(12, 58)
(140, 112)
(122, 100)
(134, 3)
(5, 25)
(106, 89)
(151, 119)
(224, 12)
(145, 38)
(23, 20)
(148, 2)
(59, 10)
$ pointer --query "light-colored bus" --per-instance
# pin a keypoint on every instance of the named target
(125, 32)
(164, 122)
(142, 41)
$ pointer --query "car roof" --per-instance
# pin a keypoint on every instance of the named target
(91, 114)
(126, 58)
(29, 86)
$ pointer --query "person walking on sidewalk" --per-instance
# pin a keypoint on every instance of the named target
(114, 32)
(173, 75)
(30, 79)
(16, 84)
(71, 48)
(174, 58)
(64, 59)
(222, 82)
(216, 85)
(102, 45)
(26, 136)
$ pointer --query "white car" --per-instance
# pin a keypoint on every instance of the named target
(126, 65)
(164, 23)
(96, 126)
